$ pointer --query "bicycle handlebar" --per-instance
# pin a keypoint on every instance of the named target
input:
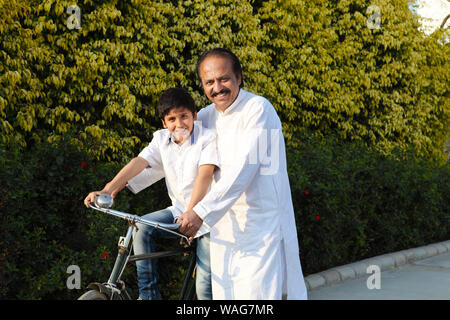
(169, 227)
(135, 218)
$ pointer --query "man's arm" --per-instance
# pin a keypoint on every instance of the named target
(201, 184)
(260, 122)
(134, 167)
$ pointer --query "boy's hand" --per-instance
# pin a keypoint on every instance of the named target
(190, 223)
(90, 198)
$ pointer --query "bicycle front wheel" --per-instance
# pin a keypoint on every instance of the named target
(93, 295)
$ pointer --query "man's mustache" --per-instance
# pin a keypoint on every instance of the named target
(214, 94)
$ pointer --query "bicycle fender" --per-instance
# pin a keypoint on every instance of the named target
(100, 288)
(108, 292)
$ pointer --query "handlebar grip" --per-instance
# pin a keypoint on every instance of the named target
(171, 226)
(175, 226)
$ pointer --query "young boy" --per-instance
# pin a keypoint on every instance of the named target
(185, 154)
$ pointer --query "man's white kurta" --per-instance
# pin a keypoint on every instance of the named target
(254, 246)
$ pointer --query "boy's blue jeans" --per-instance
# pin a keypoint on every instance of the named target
(147, 275)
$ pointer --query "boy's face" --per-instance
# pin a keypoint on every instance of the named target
(178, 119)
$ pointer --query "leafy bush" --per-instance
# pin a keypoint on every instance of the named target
(105, 78)
(45, 227)
(333, 74)
(352, 202)
(316, 61)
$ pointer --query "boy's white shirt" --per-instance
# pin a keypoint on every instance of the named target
(178, 164)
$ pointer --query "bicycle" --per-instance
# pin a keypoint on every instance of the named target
(115, 288)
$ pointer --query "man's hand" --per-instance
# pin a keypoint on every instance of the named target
(190, 223)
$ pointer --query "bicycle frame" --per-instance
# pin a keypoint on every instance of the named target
(115, 286)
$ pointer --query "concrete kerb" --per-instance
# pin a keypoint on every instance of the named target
(387, 261)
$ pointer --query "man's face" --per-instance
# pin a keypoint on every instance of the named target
(220, 83)
(179, 119)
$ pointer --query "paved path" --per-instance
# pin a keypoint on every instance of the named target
(416, 274)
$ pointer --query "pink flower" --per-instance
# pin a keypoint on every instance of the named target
(306, 192)
(83, 164)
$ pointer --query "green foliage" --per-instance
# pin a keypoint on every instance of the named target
(332, 74)
(104, 79)
(352, 202)
(316, 61)
(378, 92)
(45, 227)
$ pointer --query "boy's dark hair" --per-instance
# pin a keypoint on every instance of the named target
(222, 52)
(174, 98)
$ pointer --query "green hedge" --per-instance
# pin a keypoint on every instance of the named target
(350, 203)
(316, 61)
(45, 227)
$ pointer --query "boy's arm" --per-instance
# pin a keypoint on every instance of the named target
(145, 178)
(201, 184)
(133, 168)
(113, 187)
